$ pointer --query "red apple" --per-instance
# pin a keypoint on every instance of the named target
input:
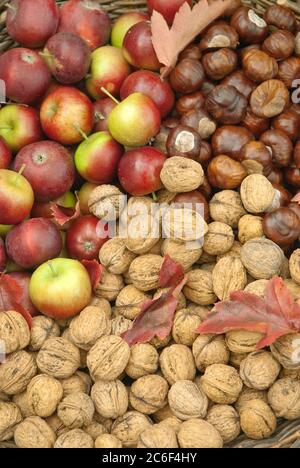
(23, 280)
(83, 241)
(2, 255)
(16, 197)
(49, 168)
(123, 24)
(32, 22)
(102, 109)
(60, 288)
(19, 126)
(68, 57)
(139, 171)
(5, 154)
(84, 195)
(25, 74)
(168, 8)
(66, 204)
(86, 19)
(138, 48)
(33, 242)
(67, 115)
(150, 84)
(97, 158)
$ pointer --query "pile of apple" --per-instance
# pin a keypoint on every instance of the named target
(84, 101)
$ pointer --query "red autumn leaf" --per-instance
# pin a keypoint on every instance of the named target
(10, 292)
(275, 315)
(64, 215)
(188, 23)
(155, 318)
(296, 198)
(94, 269)
(171, 273)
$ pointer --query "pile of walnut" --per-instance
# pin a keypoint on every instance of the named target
(79, 384)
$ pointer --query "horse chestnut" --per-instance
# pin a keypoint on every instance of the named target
(226, 104)
(225, 173)
(184, 141)
(229, 140)
(187, 76)
(280, 145)
(219, 63)
(282, 226)
(251, 28)
(280, 44)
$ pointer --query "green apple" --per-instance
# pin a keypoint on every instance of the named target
(60, 288)
(68, 200)
(16, 197)
(123, 24)
(4, 229)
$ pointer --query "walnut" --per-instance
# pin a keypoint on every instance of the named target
(228, 276)
(16, 372)
(250, 227)
(129, 301)
(143, 360)
(184, 225)
(43, 395)
(187, 400)
(75, 438)
(163, 414)
(102, 304)
(164, 196)
(249, 394)
(284, 398)
(242, 341)
(226, 207)
(226, 420)
(295, 266)
(42, 329)
(159, 343)
(108, 358)
(76, 410)
(115, 256)
(199, 287)
(58, 358)
(222, 384)
(141, 224)
(257, 287)
(257, 420)
(181, 174)
(128, 427)
(262, 258)
(206, 259)
(259, 370)
(180, 297)
(110, 398)
(285, 269)
(14, 331)
(196, 433)
(21, 400)
(109, 286)
(219, 238)
(4, 397)
(144, 271)
(88, 327)
(107, 441)
(10, 417)
(106, 202)
(208, 350)
(172, 422)
(287, 351)
(34, 432)
(177, 363)
(257, 193)
(184, 328)
(156, 249)
(149, 393)
(158, 436)
(290, 373)
(184, 253)
(78, 382)
(95, 429)
(56, 424)
(120, 325)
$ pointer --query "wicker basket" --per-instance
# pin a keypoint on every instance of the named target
(288, 433)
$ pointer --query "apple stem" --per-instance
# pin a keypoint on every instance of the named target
(99, 116)
(22, 169)
(104, 90)
(154, 196)
(46, 55)
(52, 268)
(82, 133)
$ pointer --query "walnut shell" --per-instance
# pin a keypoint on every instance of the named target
(129, 301)
(187, 400)
(184, 253)
(257, 420)
(110, 398)
(58, 358)
(56, 424)
(250, 227)
(16, 372)
(290, 373)
(144, 271)
(177, 363)
(95, 429)
(222, 384)
(196, 433)
(88, 327)
(76, 410)
(184, 225)
(235, 251)
(208, 350)
(107, 441)
(158, 436)
(249, 394)
(172, 422)
(120, 325)
(21, 400)
(226, 207)
(34, 432)
(218, 239)
(128, 427)
(115, 256)
(143, 360)
(242, 341)
(143, 232)
(284, 399)
(262, 258)
(287, 351)
(293, 288)
(228, 276)
(185, 324)
(43, 395)
(226, 420)
(199, 287)
(257, 287)
(149, 393)
(76, 438)
(257, 193)
(10, 417)
(108, 358)
(259, 370)
(14, 331)
(42, 329)
(179, 296)
(106, 202)
(102, 304)
(181, 174)
(109, 286)
(78, 382)
(294, 264)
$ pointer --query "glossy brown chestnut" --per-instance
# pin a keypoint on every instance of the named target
(289, 122)
(219, 35)
(244, 50)
(282, 226)
(251, 28)
(232, 7)
(160, 141)
(297, 154)
(289, 71)
(239, 80)
(184, 141)
(225, 173)
(269, 99)
(200, 121)
(275, 176)
(257, 151)
(256, 125)
(205, 152)
(279, 44)
(280, 145)
(194, 198)
(281, 17)
(219, 63)
(285, 195)
(190, 102)
(229, 140)
(191, 52)
(295, 207)
(295, 108)
(171, 122)
(187, 77)
(292, 176)
(226, 105)
(259, 66)
(207, 86)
